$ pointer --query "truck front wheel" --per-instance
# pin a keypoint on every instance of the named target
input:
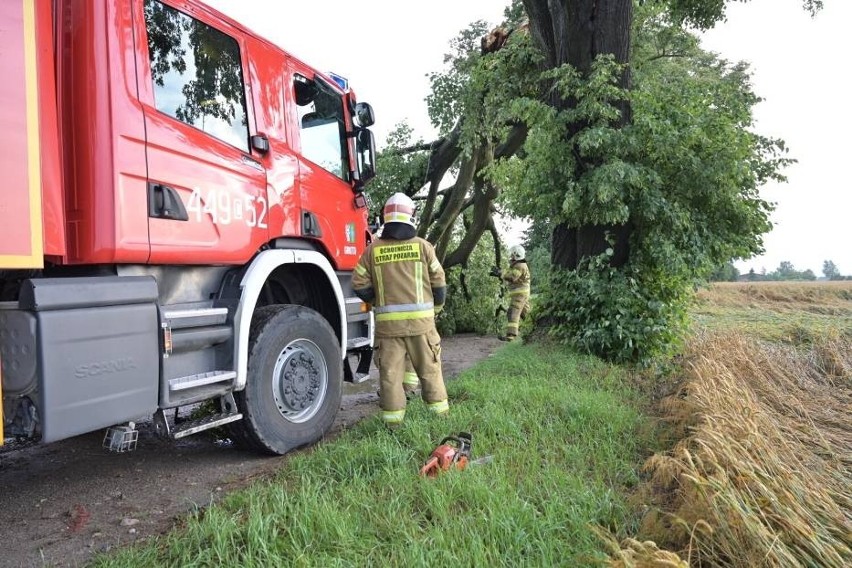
(294, 383)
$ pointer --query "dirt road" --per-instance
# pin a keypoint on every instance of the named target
(63, 502)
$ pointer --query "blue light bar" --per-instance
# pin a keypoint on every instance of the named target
(342, 82)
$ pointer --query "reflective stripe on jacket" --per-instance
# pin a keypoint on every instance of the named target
(400, 276)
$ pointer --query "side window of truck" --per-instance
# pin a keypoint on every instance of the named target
(322, 128)
(197, 74)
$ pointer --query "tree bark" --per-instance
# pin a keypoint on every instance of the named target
(482, 201)
(441, 160)
(437, 218)
(575, 32)
(441, 231)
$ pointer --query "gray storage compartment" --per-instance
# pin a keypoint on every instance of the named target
(98, 351)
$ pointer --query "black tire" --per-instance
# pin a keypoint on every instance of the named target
(294, 383)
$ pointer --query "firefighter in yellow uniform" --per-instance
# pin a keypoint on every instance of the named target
(410, 380)
(517, 279)
(401, 277)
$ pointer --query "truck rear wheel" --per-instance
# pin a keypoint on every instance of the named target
(294, 383)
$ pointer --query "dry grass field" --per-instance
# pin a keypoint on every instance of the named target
(761, 471)
(789, 312)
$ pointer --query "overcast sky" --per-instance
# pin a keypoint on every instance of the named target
(386, 49)
(799, 68)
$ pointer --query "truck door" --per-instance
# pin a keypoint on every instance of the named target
(321, 123)
(207, 199)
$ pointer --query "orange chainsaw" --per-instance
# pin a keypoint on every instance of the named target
(454, 452)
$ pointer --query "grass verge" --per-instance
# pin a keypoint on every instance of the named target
(562, 430)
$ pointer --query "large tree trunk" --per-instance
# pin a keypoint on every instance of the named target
(575, 32)
(571, 245)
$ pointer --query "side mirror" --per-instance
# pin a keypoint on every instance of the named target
(306, 90)
(364, 115)
(365, 151)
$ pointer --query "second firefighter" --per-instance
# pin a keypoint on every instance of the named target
(517, 279)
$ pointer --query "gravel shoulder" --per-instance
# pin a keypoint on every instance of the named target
(65, 501)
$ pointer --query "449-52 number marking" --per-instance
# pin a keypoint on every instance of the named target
(225, 208)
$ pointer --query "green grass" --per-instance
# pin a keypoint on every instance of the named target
(562, 430)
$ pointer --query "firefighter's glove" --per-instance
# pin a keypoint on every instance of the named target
(439, 308)
(496, 272)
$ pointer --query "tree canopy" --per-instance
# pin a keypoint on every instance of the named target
(704, 14)
(640, 159)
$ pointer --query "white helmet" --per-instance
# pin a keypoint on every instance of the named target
(516, 252)
(399, 208)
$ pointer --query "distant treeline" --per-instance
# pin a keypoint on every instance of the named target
(785, 271)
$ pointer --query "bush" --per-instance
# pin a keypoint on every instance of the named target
(538, 259)
(615, 313)
(472, 295)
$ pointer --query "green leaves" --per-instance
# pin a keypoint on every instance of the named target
(621, 315)
(476, 90)
(692, 133)
(473, 296)
(572, 166)
(398, 170)
(704, 14)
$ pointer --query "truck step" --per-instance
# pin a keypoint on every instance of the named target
(359, 378)
(201, 379)
(195, 317)
(194, 426)
(357, 343)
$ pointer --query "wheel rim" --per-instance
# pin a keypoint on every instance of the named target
(300, 380)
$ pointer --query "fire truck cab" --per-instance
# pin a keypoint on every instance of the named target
(183, 209)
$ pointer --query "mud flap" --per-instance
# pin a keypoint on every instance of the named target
(362, 371)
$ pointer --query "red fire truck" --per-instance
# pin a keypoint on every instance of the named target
(182, 207)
